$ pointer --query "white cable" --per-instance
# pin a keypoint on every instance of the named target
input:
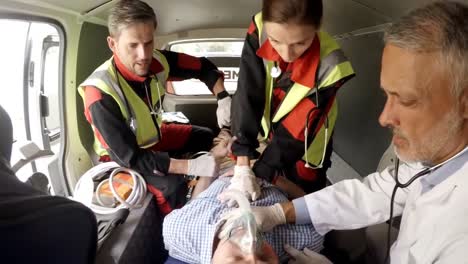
(98, 197)
(136, 197)
(84, 189)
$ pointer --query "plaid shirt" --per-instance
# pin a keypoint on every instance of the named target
(189, 232)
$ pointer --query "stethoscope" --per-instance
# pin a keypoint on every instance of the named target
(275, 72)
(399, 184)
(132, 123)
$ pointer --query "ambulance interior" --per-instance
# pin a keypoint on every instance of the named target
(51, 46)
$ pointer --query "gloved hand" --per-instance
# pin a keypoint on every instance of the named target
(223, 113)
(205, 166)
(266, 217)
(244, 180)
(306, 256)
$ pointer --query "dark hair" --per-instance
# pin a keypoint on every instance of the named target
(304, 12)
(127, 12)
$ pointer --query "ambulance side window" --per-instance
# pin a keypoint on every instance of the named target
(32, 61)
(225, 54)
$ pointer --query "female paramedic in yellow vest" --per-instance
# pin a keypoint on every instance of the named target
(285, 60)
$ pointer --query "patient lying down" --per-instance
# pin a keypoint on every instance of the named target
(191, 233)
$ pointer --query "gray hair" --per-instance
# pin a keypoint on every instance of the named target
(438, 27)
(127, 12)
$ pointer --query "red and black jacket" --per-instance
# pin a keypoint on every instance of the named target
(286, 146)
(103, 112)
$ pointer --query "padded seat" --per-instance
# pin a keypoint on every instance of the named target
(36, 227)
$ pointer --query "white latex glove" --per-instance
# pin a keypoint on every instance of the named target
(267, 217)
(306, 256)
(223, 113)
(205, 166)
(244, 180)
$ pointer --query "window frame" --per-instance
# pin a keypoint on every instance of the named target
(198, 40)
(213, 57)
(54, 133)
(58, 181)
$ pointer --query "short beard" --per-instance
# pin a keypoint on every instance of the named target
(431, 144)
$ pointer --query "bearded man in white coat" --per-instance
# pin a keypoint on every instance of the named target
(425, 78)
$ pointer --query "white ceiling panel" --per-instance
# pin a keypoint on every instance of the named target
(340, 16)
(79, 6)
(396, 8)
(183, 15)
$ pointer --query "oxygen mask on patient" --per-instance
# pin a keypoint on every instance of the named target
(240, 228)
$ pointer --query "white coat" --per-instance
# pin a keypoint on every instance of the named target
(434, 225)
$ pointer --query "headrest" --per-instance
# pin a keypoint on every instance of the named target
(6, 140)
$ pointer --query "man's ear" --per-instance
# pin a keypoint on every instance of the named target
(111, 43)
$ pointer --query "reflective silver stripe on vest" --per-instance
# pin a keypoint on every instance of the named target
(261, 40)
(328, 63)
(104, 76)
(161, 76)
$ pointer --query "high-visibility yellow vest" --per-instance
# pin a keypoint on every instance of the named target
(105, 79)
(333, 67)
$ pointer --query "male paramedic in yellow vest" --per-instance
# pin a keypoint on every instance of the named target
(290, 72)
(123, 99)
